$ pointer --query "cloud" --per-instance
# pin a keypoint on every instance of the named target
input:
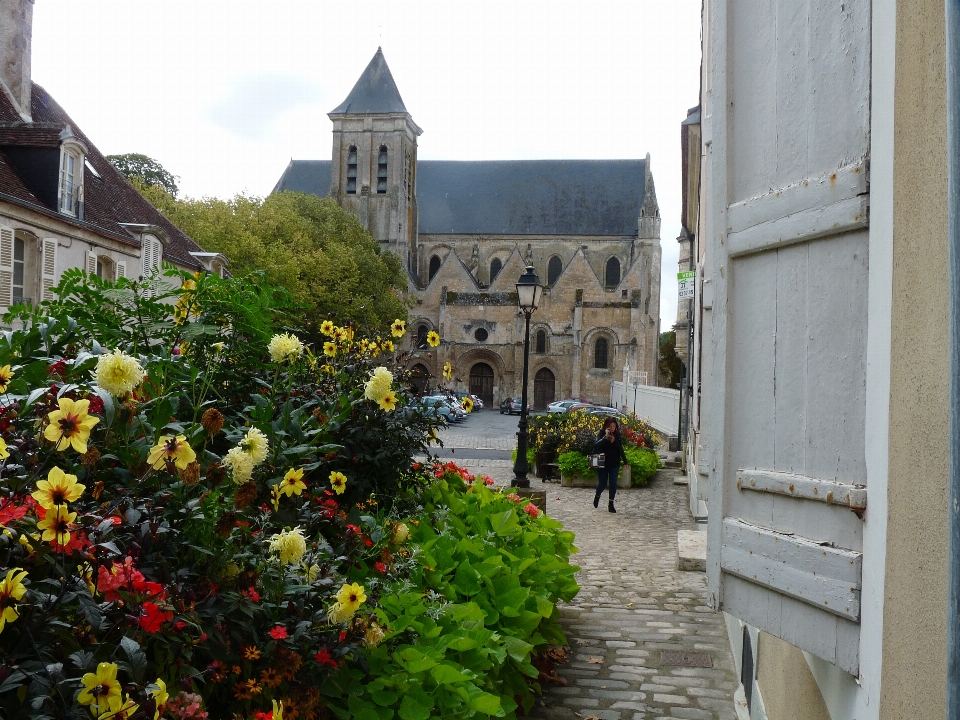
(250, 106)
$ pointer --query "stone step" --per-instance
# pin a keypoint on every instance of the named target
(691, 550)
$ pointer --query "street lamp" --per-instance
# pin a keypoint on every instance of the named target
(529, 292)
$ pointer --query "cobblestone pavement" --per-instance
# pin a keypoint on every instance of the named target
(634, 607)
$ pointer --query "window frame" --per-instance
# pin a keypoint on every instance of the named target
(352, 165)
(551, 280)
(70, 182)
(605, 354)
(382, 163)
(495, 273)
(606, 272)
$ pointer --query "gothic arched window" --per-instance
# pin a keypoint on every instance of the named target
(554, 268)
(600, 353)
(422, 331)
(352, 170)
(434, 266)
(541, 341)
(613, 272)
(382, 171)
(495, 267)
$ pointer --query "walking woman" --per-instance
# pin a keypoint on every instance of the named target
(610, 443)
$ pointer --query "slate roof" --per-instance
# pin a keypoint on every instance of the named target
(374, 93)
(511, 197)
(108, 200)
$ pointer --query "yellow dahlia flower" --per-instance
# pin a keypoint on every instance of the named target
(326, 328)
(398, 328)
(293, 483)
(6, 375)
(338, 481)
(56, 525)
(256, 444)
(289, 546)
(12, 590)
(330, 348)
(351, 596)
(433, 338)
(285, 348)
(338, 613)
(240, 463)
(171, 449)
(378, 385)
(389, 401)
(118, 373)
(447, 371)
(4, 453)
(70, 426)
(99, 688)
(58, 489)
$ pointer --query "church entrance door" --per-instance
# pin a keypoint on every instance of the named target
(420, 378)
(481, 383)
(544, 389)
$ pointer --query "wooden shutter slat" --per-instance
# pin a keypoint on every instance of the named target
(48, 264)
(6, 266)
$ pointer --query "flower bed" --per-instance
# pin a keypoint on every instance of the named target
(202, 518)
(572, 437)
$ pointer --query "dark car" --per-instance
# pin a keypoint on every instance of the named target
(512, 406)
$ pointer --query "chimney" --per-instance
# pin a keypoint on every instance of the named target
(16, 31)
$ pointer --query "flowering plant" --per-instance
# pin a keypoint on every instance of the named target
(239, 519)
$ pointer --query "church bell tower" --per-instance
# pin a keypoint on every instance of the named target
(374, 168)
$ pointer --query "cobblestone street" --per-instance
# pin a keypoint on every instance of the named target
(638, 623)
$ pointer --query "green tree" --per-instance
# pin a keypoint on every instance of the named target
(318, 252)
(145, 169)
(671, 368)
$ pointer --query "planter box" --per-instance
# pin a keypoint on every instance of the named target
(580, 481)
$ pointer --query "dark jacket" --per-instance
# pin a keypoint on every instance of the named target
(613, 449)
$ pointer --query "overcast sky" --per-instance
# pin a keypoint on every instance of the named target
(224, 93)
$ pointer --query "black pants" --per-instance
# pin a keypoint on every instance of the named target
(608, 476)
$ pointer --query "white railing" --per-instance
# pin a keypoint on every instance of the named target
(658, 406)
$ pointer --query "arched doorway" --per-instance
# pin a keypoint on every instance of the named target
(544, 389)
(420, 378)
(481, 383)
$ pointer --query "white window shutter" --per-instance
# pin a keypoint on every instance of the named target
(92, 263)
(145, 251)
(6, 266)
(48, 269)
(121, 270)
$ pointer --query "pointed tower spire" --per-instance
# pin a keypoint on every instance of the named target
(375, 92)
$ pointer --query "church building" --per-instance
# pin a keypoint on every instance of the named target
(465, 230)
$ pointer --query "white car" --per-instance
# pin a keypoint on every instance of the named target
(560, 406)
(477, 402)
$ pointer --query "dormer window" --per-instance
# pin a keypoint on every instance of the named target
(352, 170)
(70, 195)
(382, 171)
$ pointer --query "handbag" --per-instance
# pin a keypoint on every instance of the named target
(598, 460)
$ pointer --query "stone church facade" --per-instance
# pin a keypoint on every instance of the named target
(465, 230)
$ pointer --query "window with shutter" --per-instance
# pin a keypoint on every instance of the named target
(121, 270)
(6, 266)
(92, 263)
(48, 269)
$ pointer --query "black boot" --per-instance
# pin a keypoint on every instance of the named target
(611, 508)
(596, 500)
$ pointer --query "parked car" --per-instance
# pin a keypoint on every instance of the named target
(436, 405)
(477, 402)
(461, 396)
(560, 406)
(455, 408)
(513, 406)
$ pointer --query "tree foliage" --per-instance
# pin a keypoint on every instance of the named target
(146, 170)
(310, 246)
(671, 367)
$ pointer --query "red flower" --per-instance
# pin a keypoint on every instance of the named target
(180, 625)
(278, 633)
(96, 405)
(531, 510)
(10, 512)
(381, 568)
(325, 658)
(252, 594)
(153, 617)
(343, 636)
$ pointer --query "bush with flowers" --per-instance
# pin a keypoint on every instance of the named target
(572, 436)
(200, 517)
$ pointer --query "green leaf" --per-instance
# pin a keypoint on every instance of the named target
(485, 703)
(517, 648)
(410, 709)
(447, 674)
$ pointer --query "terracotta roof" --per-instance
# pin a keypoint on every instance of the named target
(108, 200)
